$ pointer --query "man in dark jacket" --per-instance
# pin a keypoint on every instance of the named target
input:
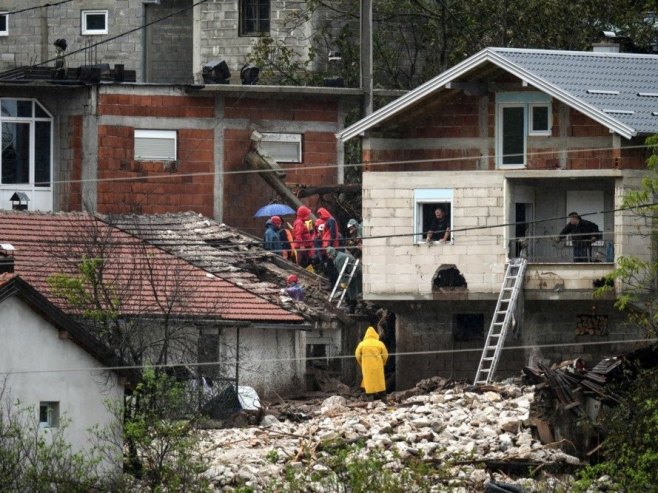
(439, 227)
(271, 237)
(583, 233)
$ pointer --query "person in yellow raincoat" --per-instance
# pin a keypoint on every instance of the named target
(371, 355)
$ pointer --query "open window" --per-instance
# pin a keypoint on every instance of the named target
(254, 17)
(94, 22)
(4, 24)
(426, 201)
(283, 148)
(155, 145)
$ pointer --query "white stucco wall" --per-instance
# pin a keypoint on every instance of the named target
(271, 360)
(35, 361)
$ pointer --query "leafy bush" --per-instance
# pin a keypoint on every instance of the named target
(630, 450)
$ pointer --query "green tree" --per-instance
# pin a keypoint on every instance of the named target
(639, 276)
(414, 40)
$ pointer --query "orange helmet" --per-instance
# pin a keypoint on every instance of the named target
(291, 278)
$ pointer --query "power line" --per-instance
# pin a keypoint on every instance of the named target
(107, 40)
(301, 167)
(325, 358)
(107, 243)
(37, 7)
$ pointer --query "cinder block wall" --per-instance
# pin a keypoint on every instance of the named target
(545, 333)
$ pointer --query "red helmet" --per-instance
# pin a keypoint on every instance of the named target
(291, 278)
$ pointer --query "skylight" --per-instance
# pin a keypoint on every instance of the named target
(604, 92)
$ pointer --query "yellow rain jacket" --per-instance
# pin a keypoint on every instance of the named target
(371, 355)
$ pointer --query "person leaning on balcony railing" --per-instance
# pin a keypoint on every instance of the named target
(583, 233)
(439, 227)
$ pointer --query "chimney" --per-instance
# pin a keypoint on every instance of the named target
(6, 258)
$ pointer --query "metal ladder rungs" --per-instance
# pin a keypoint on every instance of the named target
(512, 282)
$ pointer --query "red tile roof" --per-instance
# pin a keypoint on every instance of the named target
(137, 278)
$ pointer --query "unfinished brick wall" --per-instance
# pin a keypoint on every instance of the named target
(456, 120)
(152, 187)
(245, 191)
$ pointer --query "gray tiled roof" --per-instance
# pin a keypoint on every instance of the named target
(603, 74)
(618, 90)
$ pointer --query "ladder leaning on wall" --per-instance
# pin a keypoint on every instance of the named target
(502, 319)
(343, 281)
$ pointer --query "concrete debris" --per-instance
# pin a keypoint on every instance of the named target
(482, 435)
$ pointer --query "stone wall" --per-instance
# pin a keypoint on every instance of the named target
(544, 331)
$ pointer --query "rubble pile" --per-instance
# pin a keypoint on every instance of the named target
(478, 434)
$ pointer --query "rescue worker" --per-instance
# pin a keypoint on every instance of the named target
(294, 289)
(301, 235)
(371, 355)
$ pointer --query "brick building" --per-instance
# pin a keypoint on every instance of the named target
(508, 143)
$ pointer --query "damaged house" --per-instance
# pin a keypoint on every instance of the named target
(507, 143)
(152, 307)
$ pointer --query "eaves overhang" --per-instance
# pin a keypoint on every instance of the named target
(497, 57)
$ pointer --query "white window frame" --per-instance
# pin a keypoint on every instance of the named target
(285, 138)
(155, 135)
(426, 196)
(52, 414)
(31, 121)
(5, 31)
(526, 100)
(92, 32)
(531, 115)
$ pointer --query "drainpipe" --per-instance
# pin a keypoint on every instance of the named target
(366, 55)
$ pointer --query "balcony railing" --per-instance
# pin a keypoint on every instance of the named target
(547, 250)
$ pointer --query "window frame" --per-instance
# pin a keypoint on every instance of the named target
(431, 197)
(5, 16)
(527, 100)
(531, 120)
(242, 21)
(52, 414)
(171, 135)
(284, 137)
(85, 31)
(31, 121)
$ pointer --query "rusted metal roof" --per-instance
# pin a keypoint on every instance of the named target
(137, 278)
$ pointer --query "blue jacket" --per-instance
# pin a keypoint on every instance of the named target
(271, 238)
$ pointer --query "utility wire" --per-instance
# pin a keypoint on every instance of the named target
(108, 243)
(37, 7)
(112, 38)
(325, 358)
(304, 167)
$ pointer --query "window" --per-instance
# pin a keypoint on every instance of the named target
(254, 17)
(540, 117)
(283, 148)
(426, 201)
(155, 145)
(520, 115)
(48, 414)
(4, 24)
(94, 22)
(26, 157)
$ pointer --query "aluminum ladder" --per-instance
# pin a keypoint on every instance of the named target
(501, 321)
(343, 281)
